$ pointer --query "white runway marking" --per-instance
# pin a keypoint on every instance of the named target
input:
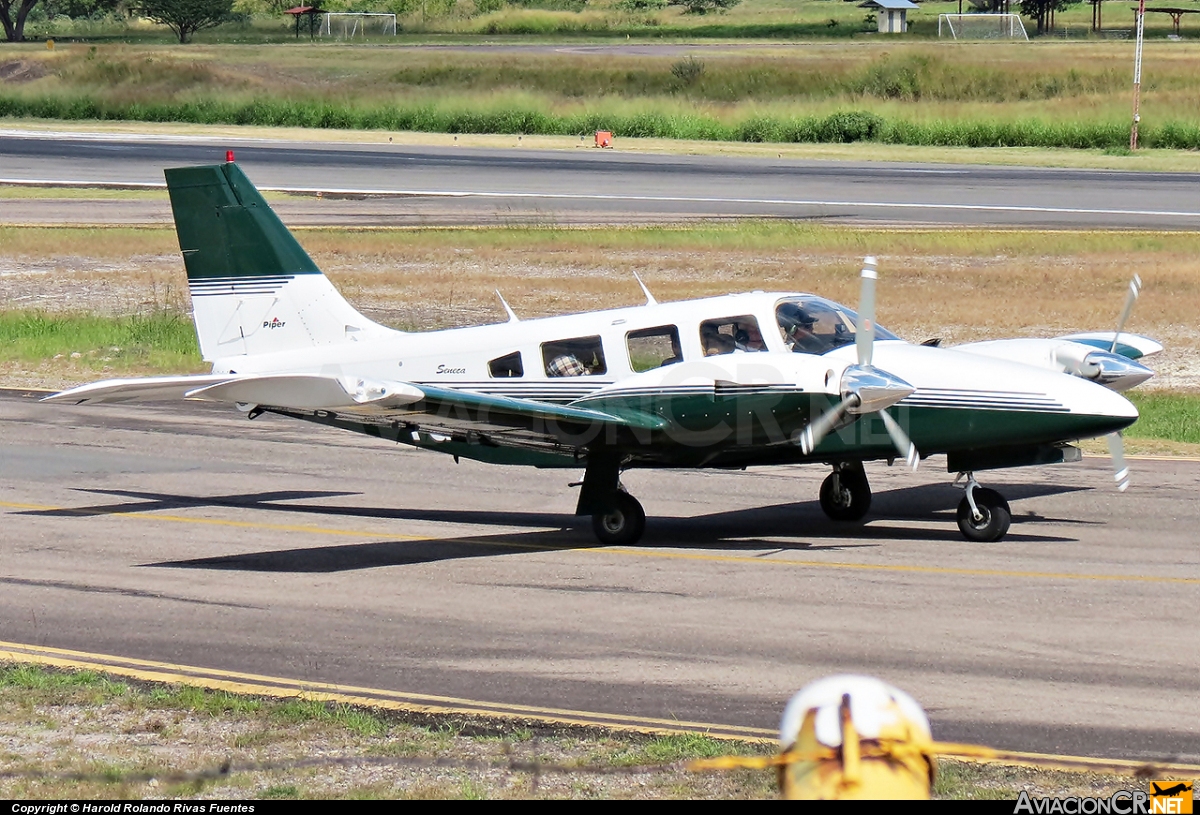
(663, 199)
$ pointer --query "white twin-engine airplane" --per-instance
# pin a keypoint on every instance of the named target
(725, 382)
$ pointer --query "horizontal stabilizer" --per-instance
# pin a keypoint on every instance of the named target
(144, 389)
(310, 392)
(300, 391)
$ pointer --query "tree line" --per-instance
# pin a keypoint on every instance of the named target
(186, 17)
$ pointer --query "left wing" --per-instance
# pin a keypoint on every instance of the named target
(425, 415)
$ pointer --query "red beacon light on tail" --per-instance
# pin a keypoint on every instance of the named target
(229, 156)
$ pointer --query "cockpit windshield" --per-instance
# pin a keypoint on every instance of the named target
(813, 325)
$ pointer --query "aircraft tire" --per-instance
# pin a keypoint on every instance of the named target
(996, 517)
(852, 501)
(622, 524)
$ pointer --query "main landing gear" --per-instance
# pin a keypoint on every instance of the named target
(617, 517)
(622, 524)
(983, 514)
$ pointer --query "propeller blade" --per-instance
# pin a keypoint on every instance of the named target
(865, 330)
(1135, 288)
(903, 443)
(819, 427)
(1116, 448)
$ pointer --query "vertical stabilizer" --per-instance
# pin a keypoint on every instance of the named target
(254, 289)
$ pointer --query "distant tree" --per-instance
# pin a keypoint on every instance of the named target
(78, 8)
(703, 6)
(185, 17)
(1042, 10)
(14, 29)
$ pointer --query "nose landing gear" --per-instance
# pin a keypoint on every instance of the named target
(983, 514)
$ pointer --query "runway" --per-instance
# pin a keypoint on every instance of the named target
(187, 534)
(384, 184)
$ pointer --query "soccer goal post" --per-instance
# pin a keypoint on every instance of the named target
(981, 27)
(349, 24)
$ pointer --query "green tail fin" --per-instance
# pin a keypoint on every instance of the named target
(227, 230)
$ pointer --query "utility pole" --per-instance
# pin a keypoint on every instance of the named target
(1137, 75)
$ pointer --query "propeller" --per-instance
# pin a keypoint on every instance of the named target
(1108, 368)
(1116, 443)
(1135, 288)
(1116, 449)
(864, 388)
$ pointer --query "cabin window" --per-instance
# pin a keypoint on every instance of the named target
(653, 347)
(507, 365)
(582, 356)
(729, 334)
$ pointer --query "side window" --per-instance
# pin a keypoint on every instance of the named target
(582, 356)
(653, 347)
(507, 365)
(729, 334)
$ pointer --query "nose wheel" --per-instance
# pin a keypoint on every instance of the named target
(845, 494)
(983, 514)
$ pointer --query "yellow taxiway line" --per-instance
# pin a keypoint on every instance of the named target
(378, 698)
(281, 687)
(628, 552)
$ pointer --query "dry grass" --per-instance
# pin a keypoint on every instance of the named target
(86, 736)
(960, 285)
(915, 81)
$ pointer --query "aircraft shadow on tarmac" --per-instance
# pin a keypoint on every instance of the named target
(783, 527)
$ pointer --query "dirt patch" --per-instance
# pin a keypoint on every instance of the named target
(18, 71)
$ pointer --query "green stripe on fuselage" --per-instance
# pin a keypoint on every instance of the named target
(759, 428)
(226, 229)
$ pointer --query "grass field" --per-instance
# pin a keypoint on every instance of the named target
(956, 284)
(111, 301)
(888, 91)
(455, 20)
(83, 735)
(161, 341)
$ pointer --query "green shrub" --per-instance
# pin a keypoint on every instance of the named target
(703, 6)
(688, 70)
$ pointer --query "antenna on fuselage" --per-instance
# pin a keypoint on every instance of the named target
(512, 315)
(650, 301)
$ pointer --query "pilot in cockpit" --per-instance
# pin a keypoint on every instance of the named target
(799, 330)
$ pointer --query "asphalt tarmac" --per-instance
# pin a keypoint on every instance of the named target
(408, 185)
(187, 534)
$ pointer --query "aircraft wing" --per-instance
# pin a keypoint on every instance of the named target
(1133, 346)
(415, 413)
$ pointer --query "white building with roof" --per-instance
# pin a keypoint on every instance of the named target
(892, 14)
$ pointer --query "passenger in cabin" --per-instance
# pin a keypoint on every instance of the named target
(676, 352)
(749, 338)
(714, 342)
(566, 365)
